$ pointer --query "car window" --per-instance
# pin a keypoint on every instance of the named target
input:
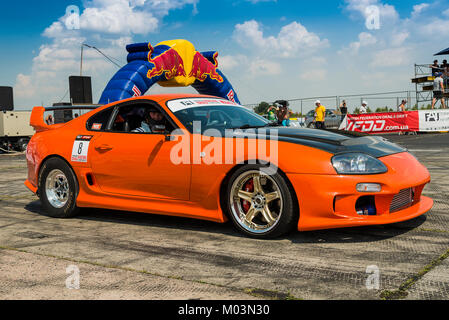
(200, 119)
(99, 121)
(137, 118)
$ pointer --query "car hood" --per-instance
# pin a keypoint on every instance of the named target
(328, 141)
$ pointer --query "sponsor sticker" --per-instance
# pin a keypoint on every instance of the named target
(97, 126)
(80, 149)
(181, 104)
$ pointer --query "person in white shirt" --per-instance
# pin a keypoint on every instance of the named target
(363, 108)
(402, 106)
(438, 90)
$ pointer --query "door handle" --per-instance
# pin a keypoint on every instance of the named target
(104, 147)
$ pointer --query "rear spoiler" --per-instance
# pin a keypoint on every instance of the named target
(38, 122)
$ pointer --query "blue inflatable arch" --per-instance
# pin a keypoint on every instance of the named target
(171, 63)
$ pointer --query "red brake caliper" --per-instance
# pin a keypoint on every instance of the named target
(248, 187)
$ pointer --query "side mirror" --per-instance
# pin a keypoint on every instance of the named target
(169, 137)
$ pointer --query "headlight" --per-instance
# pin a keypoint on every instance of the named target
(357, 163)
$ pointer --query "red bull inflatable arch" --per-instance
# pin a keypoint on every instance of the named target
(173, 63)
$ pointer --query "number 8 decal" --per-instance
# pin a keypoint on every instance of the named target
(80, 149)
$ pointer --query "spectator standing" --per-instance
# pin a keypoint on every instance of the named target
(401, 107)
(438, 90)
(283, 113)
(363, 108)
(49, 120)
(435, 68)
(272, 110)
(343, 110)
(320, 114)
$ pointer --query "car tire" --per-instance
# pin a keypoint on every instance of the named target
(22, 145)
(58, 189)
(269, 206)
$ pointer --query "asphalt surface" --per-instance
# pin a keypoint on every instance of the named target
(122, 255)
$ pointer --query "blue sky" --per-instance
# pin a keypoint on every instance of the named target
(268, 49)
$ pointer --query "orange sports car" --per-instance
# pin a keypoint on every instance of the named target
(208, 158)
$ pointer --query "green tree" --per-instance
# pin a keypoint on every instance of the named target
(262, 108)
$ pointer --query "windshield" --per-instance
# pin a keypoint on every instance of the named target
(221, 117)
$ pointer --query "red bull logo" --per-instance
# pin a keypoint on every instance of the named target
(168, 62)
(202, 68)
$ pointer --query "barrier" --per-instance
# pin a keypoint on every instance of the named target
(409, 121)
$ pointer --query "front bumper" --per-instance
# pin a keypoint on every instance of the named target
(329, 201)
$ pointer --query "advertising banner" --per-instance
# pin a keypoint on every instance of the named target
(433, 120)
(382, 122)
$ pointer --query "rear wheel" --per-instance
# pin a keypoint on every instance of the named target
(260, 204)
(58, 189)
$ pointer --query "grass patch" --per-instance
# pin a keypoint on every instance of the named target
(402, 292)
(269, 294)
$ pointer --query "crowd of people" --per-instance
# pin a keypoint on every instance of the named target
(279, 112)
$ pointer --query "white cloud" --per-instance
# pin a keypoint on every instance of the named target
(231, 62)
(417, 9)
(446, 13)
(293, 39)
(436, 28)
(365, 39)
(388, 13)
(118, 17)
(392, 58)
(264, 67)
(397, 39)
(106, 24)
(314, 75)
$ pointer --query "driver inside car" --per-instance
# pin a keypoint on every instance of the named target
(153, 123)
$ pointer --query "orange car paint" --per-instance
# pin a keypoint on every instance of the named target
(150, 183)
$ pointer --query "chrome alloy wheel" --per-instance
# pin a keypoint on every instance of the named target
(57, 188)
(256, 201)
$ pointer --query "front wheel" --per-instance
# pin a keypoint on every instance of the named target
(58, 189)
(260, 204)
